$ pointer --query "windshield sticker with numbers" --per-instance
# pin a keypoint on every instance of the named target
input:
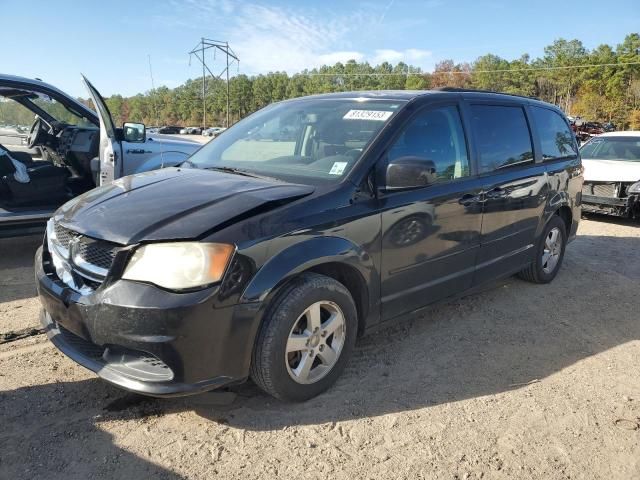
(377, 115)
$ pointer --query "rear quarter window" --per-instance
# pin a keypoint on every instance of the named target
(556, 138)
(502, 136)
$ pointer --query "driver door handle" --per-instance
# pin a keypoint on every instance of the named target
(137, 150)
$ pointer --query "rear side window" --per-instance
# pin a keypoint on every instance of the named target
(502, 136)
(556, 138)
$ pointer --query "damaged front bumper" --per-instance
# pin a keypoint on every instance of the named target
(145, 339)
(616, 203)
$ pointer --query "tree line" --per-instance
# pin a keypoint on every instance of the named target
(602, 84)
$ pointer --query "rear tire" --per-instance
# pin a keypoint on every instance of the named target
(306, 338)
(549, 253)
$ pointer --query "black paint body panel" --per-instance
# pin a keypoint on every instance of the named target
(467, 237)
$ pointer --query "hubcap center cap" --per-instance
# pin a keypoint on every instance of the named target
(314, 341)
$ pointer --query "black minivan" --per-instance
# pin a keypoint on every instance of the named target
(273, 247)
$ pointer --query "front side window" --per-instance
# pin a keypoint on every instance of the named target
(502, 136)
(556, 138)
(435, 135)
(626, 149)
(310, 141)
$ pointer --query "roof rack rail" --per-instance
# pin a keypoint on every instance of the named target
(473, 90)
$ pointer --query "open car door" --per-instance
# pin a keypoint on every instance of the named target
(111, 164)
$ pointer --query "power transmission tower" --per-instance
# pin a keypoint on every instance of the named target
(203, 45)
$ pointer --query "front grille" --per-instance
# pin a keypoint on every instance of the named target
(85, 260)
(100, 254)
(85, 347)
(64, 236)
(600, 189)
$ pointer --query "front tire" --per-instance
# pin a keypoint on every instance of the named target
(549, 253)
(306, 338)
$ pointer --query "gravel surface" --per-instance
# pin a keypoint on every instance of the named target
(520, 381)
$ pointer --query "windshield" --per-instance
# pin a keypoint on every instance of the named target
(60, 112)
(626, 149)
(310, 141)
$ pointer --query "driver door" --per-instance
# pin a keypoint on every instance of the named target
(430, 235)
(111, 160)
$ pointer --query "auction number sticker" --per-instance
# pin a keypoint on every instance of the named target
(377, 115)
(338, 168)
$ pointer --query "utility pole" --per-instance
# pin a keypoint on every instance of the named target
(204, 93)
(227, 69)
(199, 52)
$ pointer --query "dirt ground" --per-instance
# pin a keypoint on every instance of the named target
(520, 381)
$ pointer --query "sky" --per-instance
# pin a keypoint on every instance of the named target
(111, 41)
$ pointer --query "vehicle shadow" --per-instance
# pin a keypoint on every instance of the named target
(512, 334)
(16, 265)
(53, 431)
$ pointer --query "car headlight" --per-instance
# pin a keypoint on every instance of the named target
(179, 265)
(635, 188)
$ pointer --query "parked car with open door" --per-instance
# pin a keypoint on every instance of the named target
(53, 148)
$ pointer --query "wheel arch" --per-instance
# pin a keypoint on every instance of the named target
(565, 213)
(334, 257)
(559, 204)
(351, 278)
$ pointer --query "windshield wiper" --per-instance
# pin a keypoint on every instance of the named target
(236, 171)
(239, 171)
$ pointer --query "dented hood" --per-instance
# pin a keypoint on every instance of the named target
(610, 170)
(171, 204)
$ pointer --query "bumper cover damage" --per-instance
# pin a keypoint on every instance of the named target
(145, 339)
(617, 202)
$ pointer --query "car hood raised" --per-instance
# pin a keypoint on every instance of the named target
(172, 204)
(610, 171)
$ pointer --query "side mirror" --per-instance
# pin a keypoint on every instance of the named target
(134, 132)
(405, 173)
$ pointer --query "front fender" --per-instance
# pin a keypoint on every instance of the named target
(307, 254)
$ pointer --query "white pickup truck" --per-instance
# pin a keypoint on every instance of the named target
(67, 150)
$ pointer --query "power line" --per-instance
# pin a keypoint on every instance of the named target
(153, 89)
(469, 72)
(561, 67)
